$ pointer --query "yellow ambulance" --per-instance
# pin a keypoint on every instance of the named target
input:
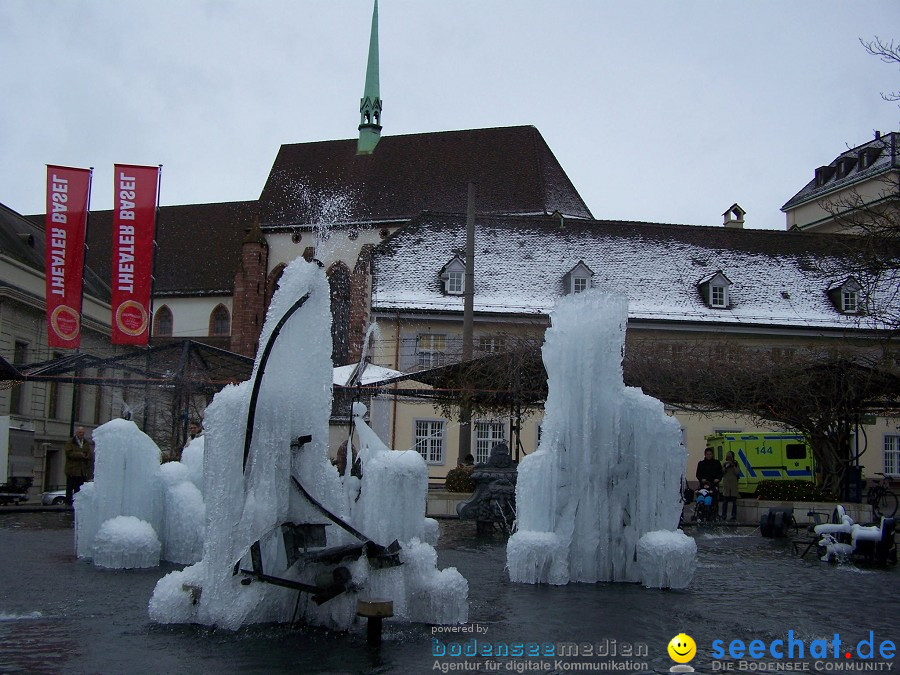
(765, 456)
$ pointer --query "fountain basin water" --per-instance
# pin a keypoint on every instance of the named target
(61, 614)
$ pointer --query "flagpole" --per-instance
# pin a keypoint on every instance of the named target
(152, 289)
(87, 219)
(87, 224)
(155, 249)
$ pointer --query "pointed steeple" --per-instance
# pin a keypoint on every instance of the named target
(370, 103)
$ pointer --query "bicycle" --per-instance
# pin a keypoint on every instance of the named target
(883, 501)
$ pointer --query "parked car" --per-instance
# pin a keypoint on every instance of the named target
(15, 491)
(54, 498)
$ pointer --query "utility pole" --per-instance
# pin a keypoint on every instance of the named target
(465, 411)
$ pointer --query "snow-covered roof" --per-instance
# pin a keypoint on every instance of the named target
(520, 264)
(372, 374)
(885, 147)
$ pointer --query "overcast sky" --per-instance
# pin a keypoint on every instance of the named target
(664, 111)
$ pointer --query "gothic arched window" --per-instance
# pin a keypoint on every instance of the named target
(339, 282)
(163, 322)
(220, 321)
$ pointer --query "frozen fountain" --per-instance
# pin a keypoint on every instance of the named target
(137, 512)
(600, 498)
(286, 537)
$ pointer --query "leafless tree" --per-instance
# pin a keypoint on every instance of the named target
(888, 52)
(868, 251)
(869, 213)
(823, 393)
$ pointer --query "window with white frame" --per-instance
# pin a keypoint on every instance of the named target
(580, 284)
(487, 435)
(430, 350)
(491, 344)
(455, 282)
(718, 296)
(892, 455)
(849, 300)
(429, 440)
(453, 276)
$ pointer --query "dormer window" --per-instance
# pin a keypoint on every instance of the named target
(455, 282)
(867, 157)
(716, 290)
(823, 175)
(845, 166)
(453, 276)
(718, 296)
(578, 279)
(847, 296)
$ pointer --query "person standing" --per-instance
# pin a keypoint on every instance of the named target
(79, 463)
(709, 470)
(730, 474)
(195, 429)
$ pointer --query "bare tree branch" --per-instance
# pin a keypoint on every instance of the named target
(887, 52)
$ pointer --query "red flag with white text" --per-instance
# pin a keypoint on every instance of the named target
(134, 226)
(68, 194)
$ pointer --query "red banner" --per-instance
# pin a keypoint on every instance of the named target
(134, 224)
(65, 224)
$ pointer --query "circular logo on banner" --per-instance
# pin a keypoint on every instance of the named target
(131, 318)
(65, 322)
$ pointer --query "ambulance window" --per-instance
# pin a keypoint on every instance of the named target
(795, 451)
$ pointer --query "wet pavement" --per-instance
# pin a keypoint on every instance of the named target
(60, 614)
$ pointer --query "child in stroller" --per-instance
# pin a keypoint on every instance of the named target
(705, 504)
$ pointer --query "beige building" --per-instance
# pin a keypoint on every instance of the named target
(44, 412)
(686, 286)
(860, 182)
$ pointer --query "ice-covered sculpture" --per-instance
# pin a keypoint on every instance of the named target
(126, 542)
(126, 483)
(610, 462)
(286, 537)
(130, 482)
(394, 482)
(666, 559)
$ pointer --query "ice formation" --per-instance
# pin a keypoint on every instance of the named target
(394, 482)
(609, 466)
(666, 559)
(130, 482)
(283, 479)
(126, 542)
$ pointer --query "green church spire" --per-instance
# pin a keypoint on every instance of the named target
(370, 103)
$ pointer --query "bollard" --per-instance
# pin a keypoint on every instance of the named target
(375, 611)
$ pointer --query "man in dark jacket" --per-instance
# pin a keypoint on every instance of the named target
(79, 463)
(709, 469)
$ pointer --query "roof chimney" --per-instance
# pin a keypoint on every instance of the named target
(877, 134)
(734, 217)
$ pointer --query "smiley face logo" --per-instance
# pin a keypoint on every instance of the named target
(682, 648)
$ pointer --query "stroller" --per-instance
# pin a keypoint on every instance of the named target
(705, 504)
